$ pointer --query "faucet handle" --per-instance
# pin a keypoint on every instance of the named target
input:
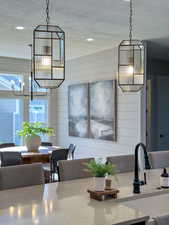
(143, 182)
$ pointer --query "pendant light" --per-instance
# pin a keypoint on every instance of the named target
(48, 54)
(131, 61)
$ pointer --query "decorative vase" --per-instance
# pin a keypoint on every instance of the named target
(33, 143)
(99, 183)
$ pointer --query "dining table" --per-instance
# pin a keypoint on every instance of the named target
(42, 155)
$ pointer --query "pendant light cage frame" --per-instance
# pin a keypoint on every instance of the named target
(131, 54)
(131, 61)
(48, 56)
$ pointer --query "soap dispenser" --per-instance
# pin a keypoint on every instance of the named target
(164, 179)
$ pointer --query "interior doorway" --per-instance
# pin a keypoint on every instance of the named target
(158, 113)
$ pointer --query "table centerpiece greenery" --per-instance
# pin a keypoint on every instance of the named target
(31, 131)
(100, 170)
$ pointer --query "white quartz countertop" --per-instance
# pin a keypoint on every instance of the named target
(68, 202)
(65, 203)
(153, 206)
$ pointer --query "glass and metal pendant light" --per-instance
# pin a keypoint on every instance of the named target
(48, 54)
(131, 61)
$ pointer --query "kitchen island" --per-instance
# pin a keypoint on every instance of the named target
(69, 203)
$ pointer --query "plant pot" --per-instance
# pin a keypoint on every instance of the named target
(99, 183)
(33, 143)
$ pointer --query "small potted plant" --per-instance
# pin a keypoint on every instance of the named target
(31, 131)
(99, 170)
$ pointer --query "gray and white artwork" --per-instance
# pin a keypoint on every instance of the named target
(78, 110)
(92, 110)
(102, 110)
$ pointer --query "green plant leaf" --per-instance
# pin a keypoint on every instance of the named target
(99, 169)
(36, 128)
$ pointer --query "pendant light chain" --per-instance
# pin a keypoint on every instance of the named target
(131, 20)
(47, 12)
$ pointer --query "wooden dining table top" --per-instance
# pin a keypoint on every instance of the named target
(43, 154)
(43, 150)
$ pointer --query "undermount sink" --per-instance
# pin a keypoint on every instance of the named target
(152, 206)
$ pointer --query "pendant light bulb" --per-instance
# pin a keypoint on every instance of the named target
(46, 59)
(130, 70)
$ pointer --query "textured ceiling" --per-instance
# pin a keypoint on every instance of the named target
(104, 20)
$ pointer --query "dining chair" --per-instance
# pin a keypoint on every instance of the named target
(73, 169)
(46, 144)
(159, 159)
(124, 163)
(21, 176)
(72, 148)
(6, 145)
(52, 168)
(10, 158)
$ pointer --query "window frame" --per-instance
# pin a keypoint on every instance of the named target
(6, 94)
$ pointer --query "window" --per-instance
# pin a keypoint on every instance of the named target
(7, 80)
(11, 118)
(38, 113)
(16, 109)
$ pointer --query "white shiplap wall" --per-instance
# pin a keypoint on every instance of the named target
(99, 66)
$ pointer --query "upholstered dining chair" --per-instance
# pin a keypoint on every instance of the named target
(124, 163)
(46, 144)
(52, 168)
(72, 148)
(6, 145)
(21, 176)
(159, 159)
(73, 169)
(10, 158)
